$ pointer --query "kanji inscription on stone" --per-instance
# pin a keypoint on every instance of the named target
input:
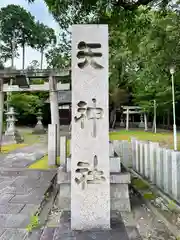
(89, 175)
(88, 113)
(85, 52)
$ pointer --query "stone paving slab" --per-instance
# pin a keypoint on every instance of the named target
(13, 234)
(118, 231)
(22, 193)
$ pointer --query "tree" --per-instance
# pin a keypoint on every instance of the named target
(8, 51)
(44, 37)
(97, 11)
(17, 25)
(59, 56)
(34, 65)
(55, 59)
(25, 103)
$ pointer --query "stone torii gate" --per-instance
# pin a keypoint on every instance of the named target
(135, 110)
(21, 80)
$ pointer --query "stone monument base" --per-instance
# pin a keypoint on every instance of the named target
(118, 230)
(12, 137)
(141, 125)
(39, 129)
(119, 191)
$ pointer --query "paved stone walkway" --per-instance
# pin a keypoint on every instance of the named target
(23, 157)
(21, 195)
(118, 231)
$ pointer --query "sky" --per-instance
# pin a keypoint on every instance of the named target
(40, 11)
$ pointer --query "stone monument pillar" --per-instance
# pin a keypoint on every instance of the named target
(39, 129)
(11, 134)
(90, 186)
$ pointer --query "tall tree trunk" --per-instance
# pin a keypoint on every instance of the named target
(23, 55)
(114, 118)
(42, 54)
(168, 119)
(12, 55)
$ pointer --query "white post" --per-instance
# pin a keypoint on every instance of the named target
(175, 173)
(133, 152)
(141, 158)
(63, 151)
(159, 167)
(152, 155)
(174, 113)
(127, 119)
(137, 156)
(167, 171)
(52, 144)
(1, 110)
(53, 96)
(145, 122)
(146, 160)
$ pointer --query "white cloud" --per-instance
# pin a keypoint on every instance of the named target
(40, 11)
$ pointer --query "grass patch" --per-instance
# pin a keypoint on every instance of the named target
(34, 223)
(68, 147)
(164, 138)
(12, 147)
(149, 196)
(139, 184)
(43, 162)
(29, 139)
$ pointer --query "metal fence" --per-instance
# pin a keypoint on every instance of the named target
(159, 165)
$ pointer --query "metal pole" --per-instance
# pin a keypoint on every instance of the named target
(174, 114)
(154, 116)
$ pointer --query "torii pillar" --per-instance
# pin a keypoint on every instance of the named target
(1, 110)
(53, 97)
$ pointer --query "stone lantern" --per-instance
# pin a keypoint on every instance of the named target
(141, 124)
(11, 134)
(39, 129)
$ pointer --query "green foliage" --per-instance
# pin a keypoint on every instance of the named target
(34, 65)
(34, 223)
(172, 205)
(97, 11)
(26, 104)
